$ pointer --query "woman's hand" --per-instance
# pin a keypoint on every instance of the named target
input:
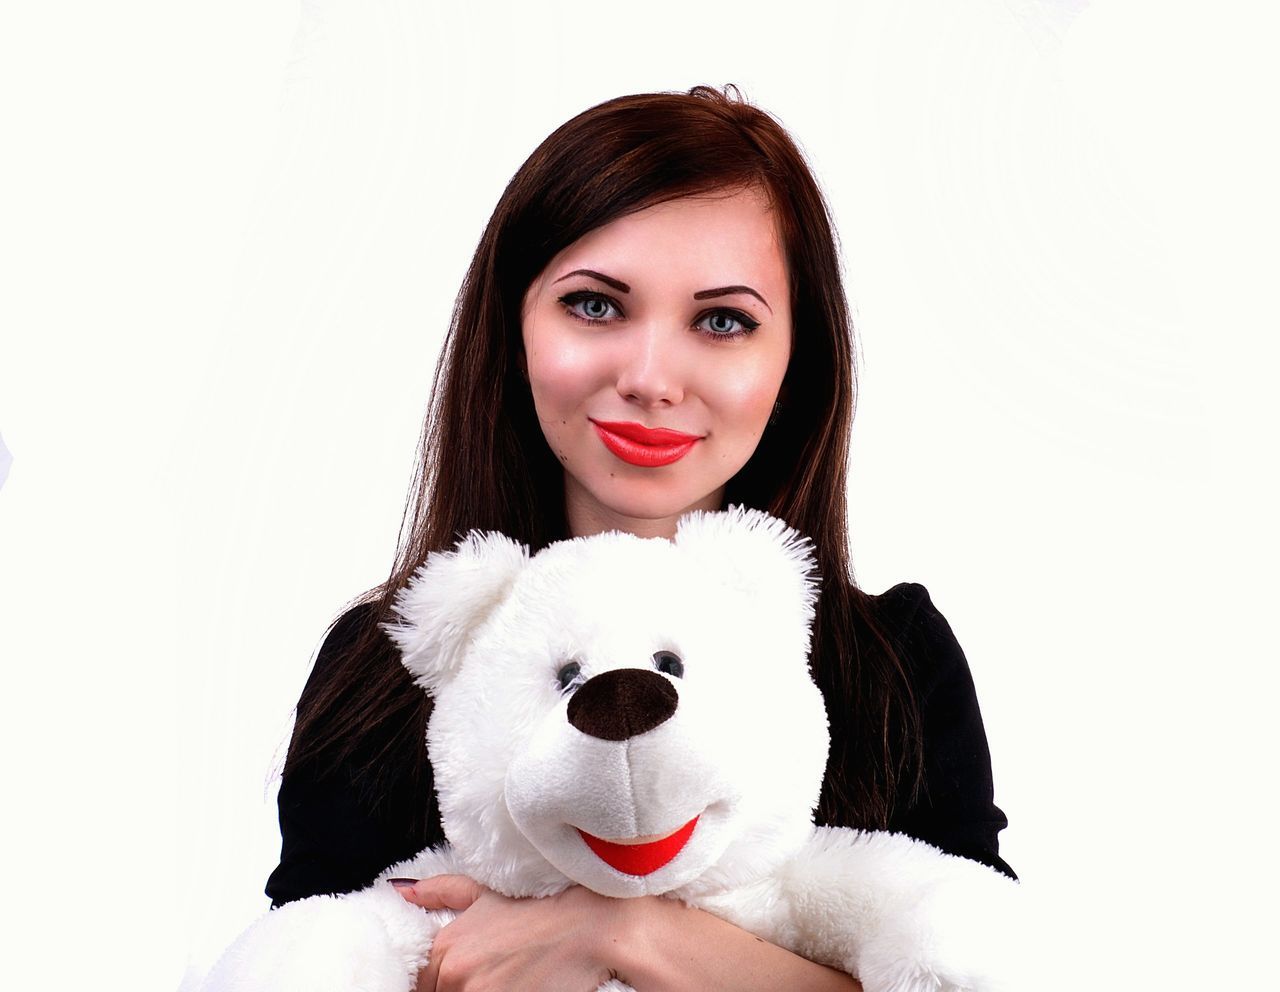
(578, 939)
(499, 944)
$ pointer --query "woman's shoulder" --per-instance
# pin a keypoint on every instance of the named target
(343, 634)
(345, 666)
(920, 634)
(347, 628)
(898, 605)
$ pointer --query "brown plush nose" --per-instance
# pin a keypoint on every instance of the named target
(623, 703)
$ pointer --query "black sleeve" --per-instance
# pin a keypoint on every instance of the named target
(955, 810)
(332, 838)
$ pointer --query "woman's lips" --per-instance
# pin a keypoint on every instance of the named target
(648, 447)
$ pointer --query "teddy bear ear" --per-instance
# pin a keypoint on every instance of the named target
(447, 599)
(758, 553)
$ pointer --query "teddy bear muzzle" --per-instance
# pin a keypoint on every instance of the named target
(623, 703)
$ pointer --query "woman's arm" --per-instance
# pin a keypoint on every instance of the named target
(578, 939)
(333, 836)
(956, 809)
(670, 947)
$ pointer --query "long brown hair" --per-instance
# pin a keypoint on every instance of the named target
(484, 463)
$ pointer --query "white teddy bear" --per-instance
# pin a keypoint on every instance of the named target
(614, 688)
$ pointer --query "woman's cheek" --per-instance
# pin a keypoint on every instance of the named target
(749, 395)
(562, 378)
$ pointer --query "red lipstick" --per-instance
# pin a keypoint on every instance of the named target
(648, 447)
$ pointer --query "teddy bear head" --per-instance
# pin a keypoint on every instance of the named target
(633, 715)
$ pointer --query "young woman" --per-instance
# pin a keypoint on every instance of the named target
(653, 322)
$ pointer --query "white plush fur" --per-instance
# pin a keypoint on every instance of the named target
(486, 629)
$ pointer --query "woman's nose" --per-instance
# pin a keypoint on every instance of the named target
(651, 371)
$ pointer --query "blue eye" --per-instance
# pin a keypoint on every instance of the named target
(596, 309)
(727, 323)
(593, 308)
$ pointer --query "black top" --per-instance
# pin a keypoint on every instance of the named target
(333, 841)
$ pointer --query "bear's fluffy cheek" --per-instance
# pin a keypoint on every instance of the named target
(775, 756)
(478, 726)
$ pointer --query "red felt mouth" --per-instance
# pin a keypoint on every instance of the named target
(640, 859)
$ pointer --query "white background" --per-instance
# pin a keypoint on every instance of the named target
(230, 238)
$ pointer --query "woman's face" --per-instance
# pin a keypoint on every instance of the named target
(655, 347)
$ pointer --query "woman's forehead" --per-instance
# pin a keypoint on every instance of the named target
(718, 239)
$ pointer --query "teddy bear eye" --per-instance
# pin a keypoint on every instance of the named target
(568, 675)
(669, 663)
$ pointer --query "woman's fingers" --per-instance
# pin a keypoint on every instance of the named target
(456, 892)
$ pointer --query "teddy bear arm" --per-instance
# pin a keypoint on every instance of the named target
(371, 939)
(900, 915)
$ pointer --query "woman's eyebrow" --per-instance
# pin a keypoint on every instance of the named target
(708, 294)
(617, 284)
(702, 294)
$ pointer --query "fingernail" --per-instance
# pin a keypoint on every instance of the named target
(403, 883)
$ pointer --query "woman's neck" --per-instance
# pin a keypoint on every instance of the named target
(586, 516)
